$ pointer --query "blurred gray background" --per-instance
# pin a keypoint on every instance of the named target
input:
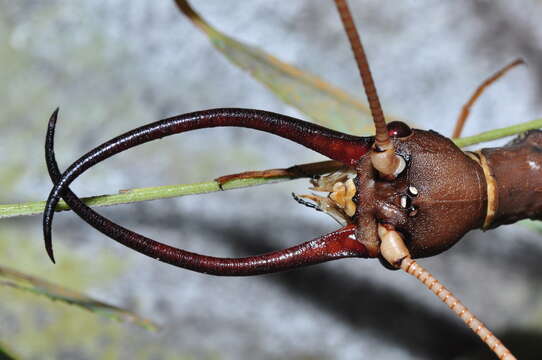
(115, 65)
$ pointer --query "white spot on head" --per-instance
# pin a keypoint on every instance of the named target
(533, 165)
(412, 190)
(404, 202)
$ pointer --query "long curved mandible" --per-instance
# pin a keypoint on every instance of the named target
(338, 244)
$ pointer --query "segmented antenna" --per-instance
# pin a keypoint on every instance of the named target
(395, 251)
(383, 157)
(413, 268)
(381, 136)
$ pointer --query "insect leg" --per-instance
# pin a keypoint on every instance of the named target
(465, 110)
(293, 172)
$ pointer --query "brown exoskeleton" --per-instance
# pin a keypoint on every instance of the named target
(403, 194)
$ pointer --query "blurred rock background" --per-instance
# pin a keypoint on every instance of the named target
(115, 65)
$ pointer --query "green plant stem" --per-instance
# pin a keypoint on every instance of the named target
(170, 191)
(498, 133)
(136, 195)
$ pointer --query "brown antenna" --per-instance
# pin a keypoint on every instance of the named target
(394, 250)
(413, 268)
(383, 157)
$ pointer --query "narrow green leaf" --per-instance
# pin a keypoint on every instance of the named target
(6, 354)
(325, 104)
(32, 284)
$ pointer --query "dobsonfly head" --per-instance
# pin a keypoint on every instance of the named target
(439, 195)
(415, 183)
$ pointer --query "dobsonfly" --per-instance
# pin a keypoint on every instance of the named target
(402, 194)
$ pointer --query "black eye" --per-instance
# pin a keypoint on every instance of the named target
(399, 129)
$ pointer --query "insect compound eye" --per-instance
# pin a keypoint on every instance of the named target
(398, 129)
